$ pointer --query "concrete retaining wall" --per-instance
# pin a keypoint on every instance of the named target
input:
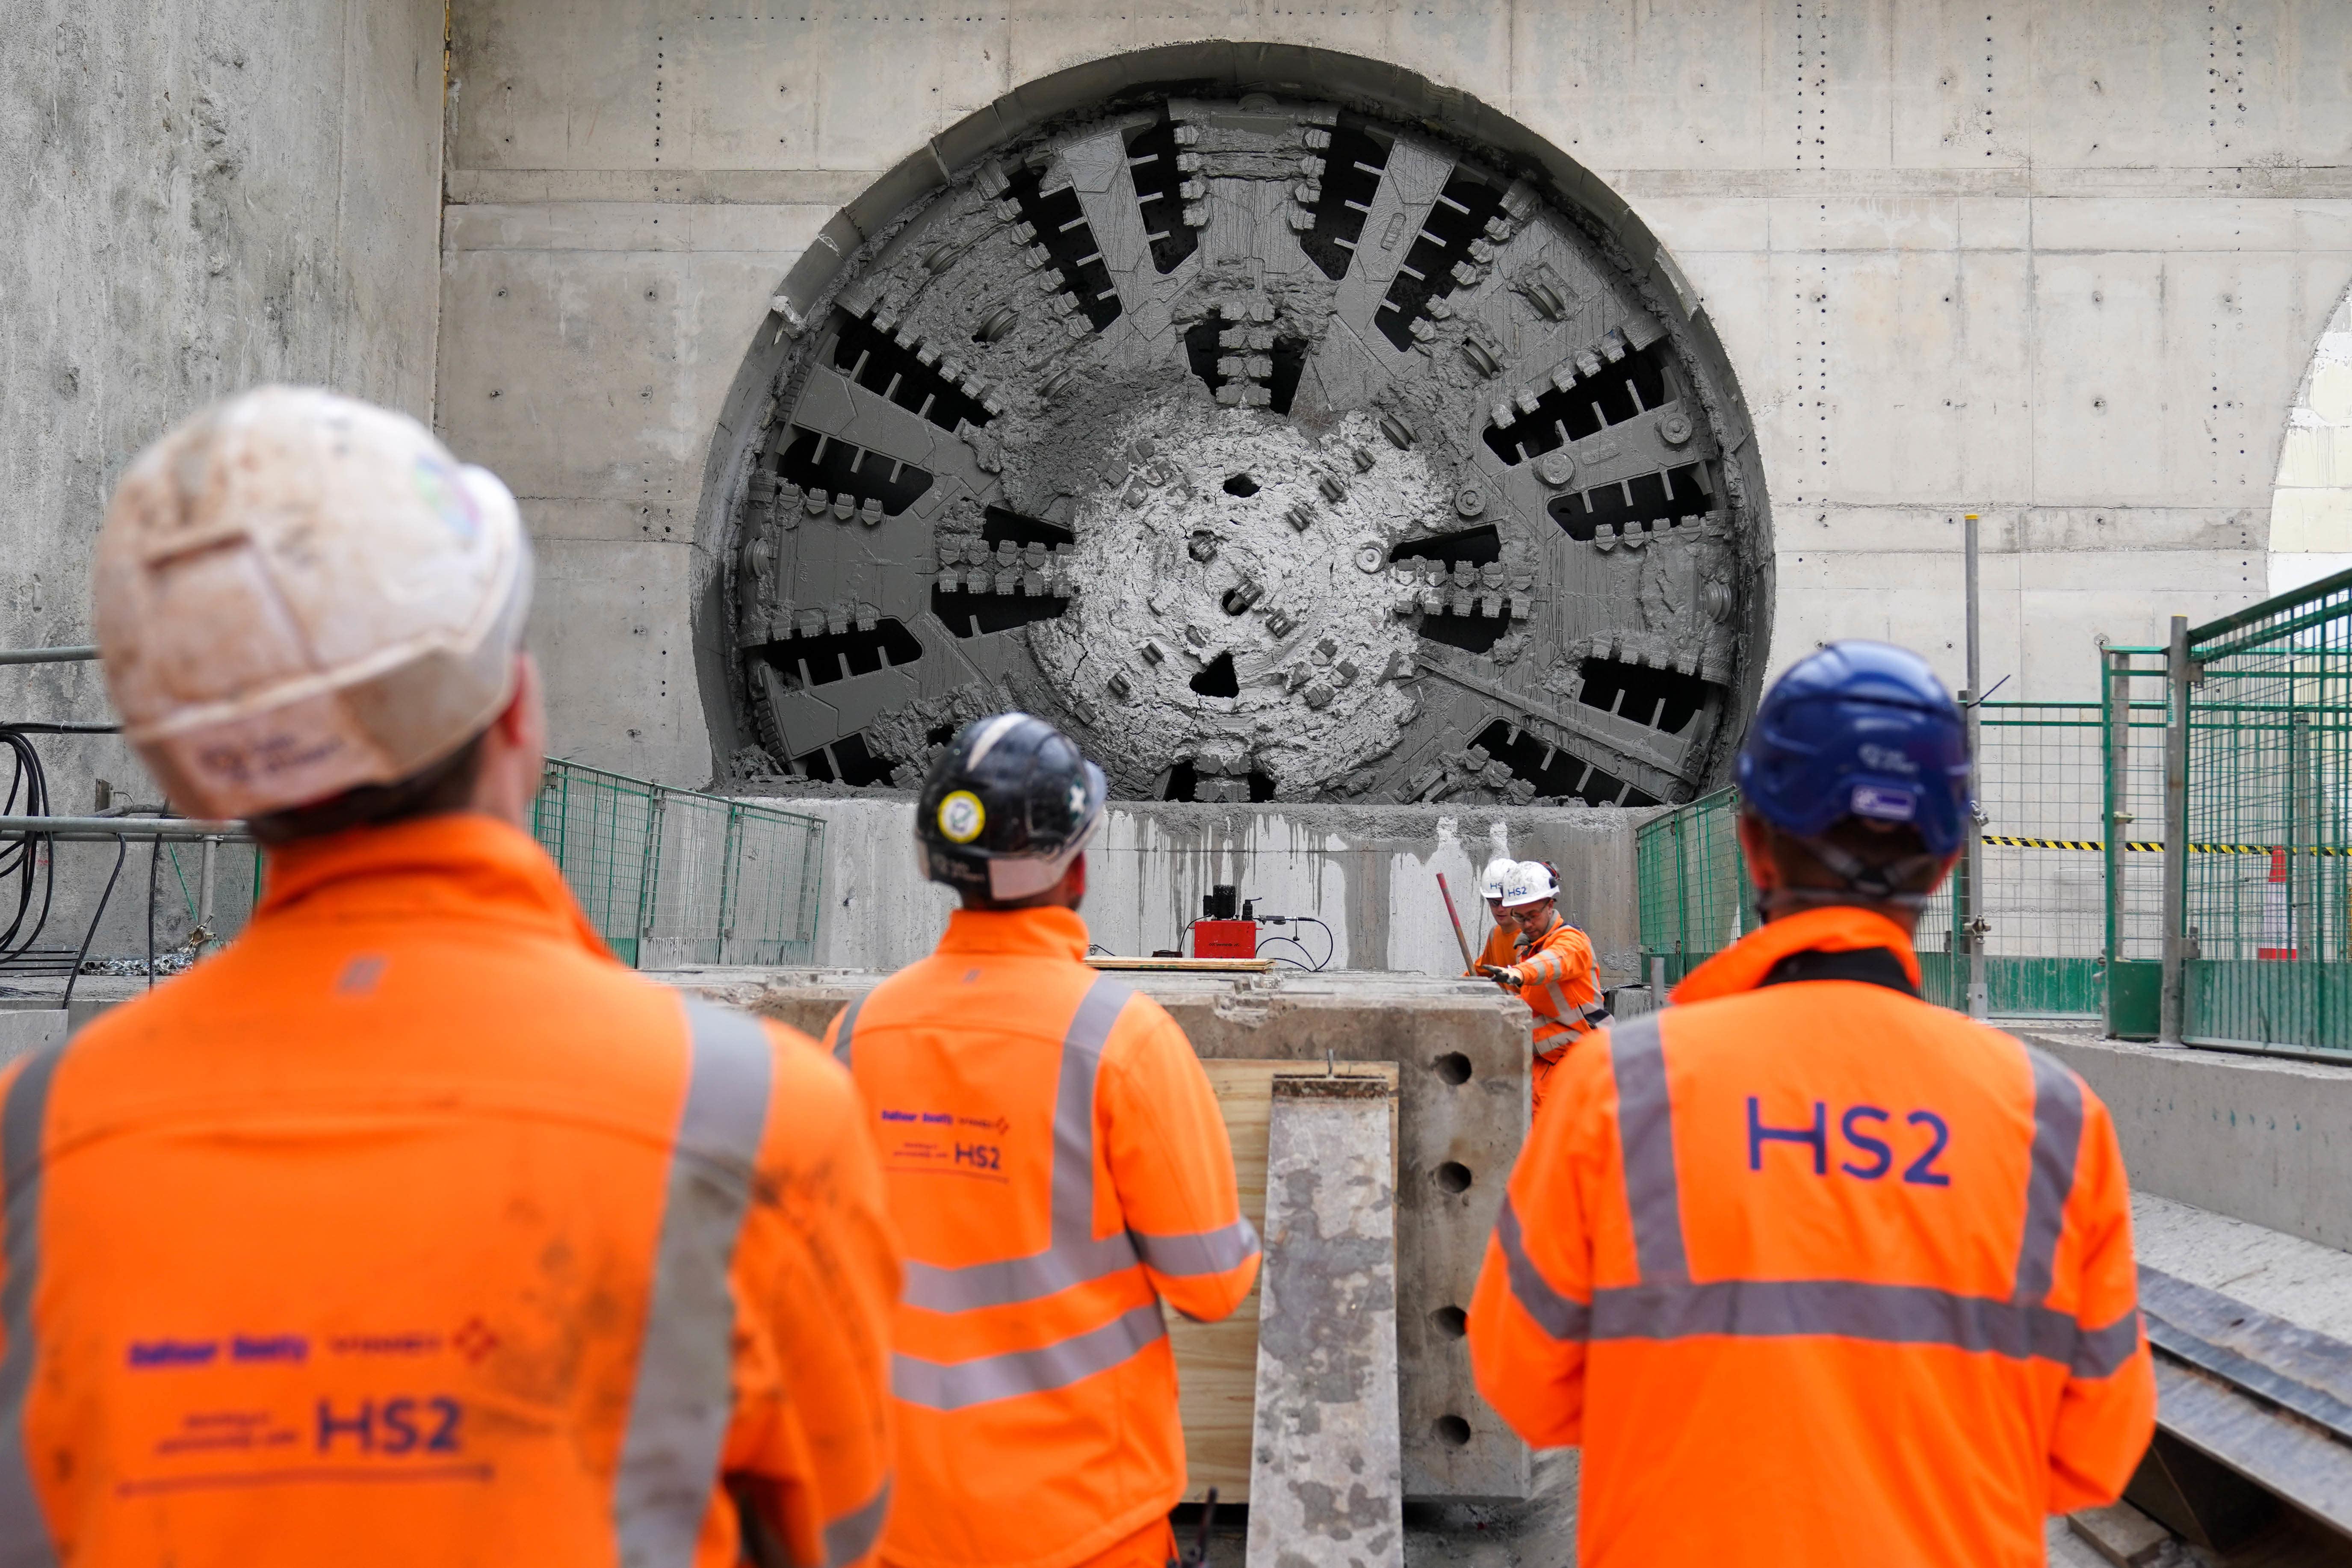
(196, 199)
(2261, 1139)
(1367, 872)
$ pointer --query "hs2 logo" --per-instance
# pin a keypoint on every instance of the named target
(427, 1424)
(1860, 1127)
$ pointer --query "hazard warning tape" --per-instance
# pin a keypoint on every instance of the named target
(2147, 846)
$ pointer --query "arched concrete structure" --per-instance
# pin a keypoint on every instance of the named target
(2311, 507)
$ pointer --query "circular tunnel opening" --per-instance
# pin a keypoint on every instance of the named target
(1534, 570)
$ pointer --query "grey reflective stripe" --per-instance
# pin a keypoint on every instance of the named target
(2057, 1135)
(1203, 1252)
(1645, 1129)
(841, 1035)
(681, 1402)
(23, 1534)
(1559, 1008)
(1554, 1313)
(853, 1535)
(1844, 1309)
(936, 1385)
(1074, 1253)
(2101, 1352)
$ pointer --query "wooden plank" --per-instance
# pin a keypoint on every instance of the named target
(1327, 1464)
(1195, 966)
(1216, 1363)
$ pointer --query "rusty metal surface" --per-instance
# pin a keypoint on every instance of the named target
(1275, 451)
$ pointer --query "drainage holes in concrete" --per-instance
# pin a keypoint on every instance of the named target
(1451, 1321)
(1454, 1068)
(1452, 1431)
(1453, 1177)
(1217, 677)
(1241, 485)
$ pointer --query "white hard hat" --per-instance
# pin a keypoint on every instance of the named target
(299, 593)
(1490, 880)
(1530, 882)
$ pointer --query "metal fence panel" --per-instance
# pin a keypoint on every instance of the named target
(2268, 884)
(1692, 883)
(672, 877)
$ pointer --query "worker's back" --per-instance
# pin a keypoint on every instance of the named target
(413, 1229)
(1056, 1163)
(1817, 1273)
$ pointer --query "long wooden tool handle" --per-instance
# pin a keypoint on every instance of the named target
(1447, 894)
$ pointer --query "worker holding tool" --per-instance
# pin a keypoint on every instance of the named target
(1503, 936)
(411, 1228)
(1554, 974)
(1057, 1166)
(1816, 1272)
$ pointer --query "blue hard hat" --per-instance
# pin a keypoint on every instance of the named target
(1859, 729)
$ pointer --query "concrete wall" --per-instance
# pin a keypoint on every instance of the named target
(2261, 1139)
(2059, 262)
(196, 199)
(1368, 873)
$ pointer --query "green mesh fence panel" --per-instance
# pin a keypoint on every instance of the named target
(670, 876)
(1692, 883)
(2270, 825)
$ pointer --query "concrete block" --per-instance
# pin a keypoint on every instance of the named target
(1325, 1483)
(2304, 1283)
(609, 634)
(25, 1031)
(2122, 1534)
(1461, 1049)
(1677, 95)
(1966, 88)
(2100, 416)
(2262, 1139)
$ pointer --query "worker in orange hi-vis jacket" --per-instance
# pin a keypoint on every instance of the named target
(1552, 969)
(1502, 944)
(1056, 1167)
(412, 1228)
(1819, 1274)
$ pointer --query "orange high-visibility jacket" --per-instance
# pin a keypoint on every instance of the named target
(1559, 979)
(1056, 1164)
(1818, 1274)
(1502, 947)
(412, 1228)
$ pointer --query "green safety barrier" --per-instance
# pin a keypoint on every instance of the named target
(672, 877)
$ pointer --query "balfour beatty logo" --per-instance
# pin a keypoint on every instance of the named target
(1888, 759)
(888, 1115)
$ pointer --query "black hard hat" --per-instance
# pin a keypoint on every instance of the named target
(1007, 806)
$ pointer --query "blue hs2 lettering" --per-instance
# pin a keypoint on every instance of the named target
(401, 1425)
(981, 1156)
(1859, 1126)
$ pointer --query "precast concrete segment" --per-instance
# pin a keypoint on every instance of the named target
(1275, 451)
(1461, 1049)
(1325, 1476)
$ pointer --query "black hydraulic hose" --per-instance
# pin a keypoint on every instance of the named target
(122, 850)
(154, 855)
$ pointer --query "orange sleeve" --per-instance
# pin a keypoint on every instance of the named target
(1172, 1166)
(2108, 1410)
(1531, 1313)
(808, 1458)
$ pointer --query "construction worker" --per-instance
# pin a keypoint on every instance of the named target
(1503, 935)
(1056, 1165)
(1816, 1272)
(412, 1228)
(1553, 971)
